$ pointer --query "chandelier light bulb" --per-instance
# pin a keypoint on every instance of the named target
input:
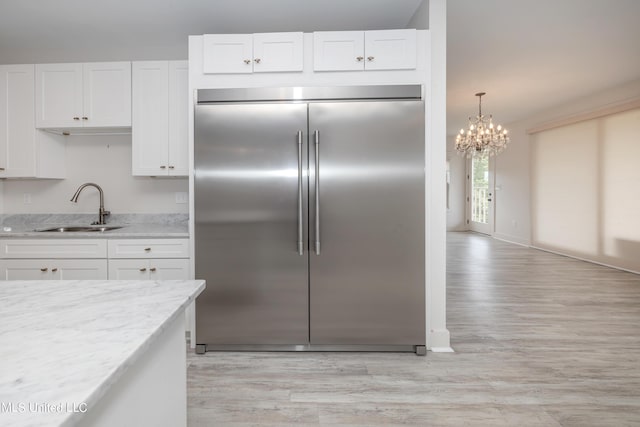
(481, 138)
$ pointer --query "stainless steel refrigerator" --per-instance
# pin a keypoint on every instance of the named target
(310, 218)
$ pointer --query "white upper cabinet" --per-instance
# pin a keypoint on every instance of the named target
(390, 49)
(88, 95)
(228, 53)
(277, 52)
(178, 164)
(160, 118)
(338, 50)
(24, 151)
(107, 94)
(364, 50)
(252, 53)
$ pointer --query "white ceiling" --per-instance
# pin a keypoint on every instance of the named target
(526, 55)
(529, 55)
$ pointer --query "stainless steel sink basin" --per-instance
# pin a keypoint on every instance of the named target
(84, 229)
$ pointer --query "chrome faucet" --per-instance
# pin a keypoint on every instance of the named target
(101, 213)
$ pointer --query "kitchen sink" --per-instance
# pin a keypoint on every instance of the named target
(77, 229)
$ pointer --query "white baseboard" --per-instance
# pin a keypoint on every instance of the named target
(512, 239)
(586, 260)
(442, 350)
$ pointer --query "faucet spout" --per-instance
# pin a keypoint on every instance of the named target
(102, 213)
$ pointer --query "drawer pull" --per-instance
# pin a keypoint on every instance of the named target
(54, 270)
(163, 167)
(143, 269)
(152, 269)
(147, 249)
(44, 270)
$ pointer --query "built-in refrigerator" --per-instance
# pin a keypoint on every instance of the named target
(310, 218)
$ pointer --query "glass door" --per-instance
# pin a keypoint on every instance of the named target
(480, 198)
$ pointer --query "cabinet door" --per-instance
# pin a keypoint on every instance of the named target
(169, 269)
(107, 94)
(17, 125)
(150, 130)
(227, 53)
(58, 95)
(178, 164)
(78, 269)
(128, 269)
(338, 51)
(273, 52)
(390, 49)
(25, 269)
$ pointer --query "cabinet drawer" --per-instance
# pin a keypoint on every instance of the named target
(53, 248)
(149, 248)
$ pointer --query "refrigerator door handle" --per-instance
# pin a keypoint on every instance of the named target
(300, 245)
(316, 135)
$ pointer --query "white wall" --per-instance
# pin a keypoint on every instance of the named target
(105, 160)
(456, 209)
(420, 19)
(513, 210)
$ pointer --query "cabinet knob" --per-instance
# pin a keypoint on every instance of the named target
(85, 118)
(54, 270)
(147, 249)
(359, 58)
(143, 269)
(257, 60)
(76, 118)
(370, 58)
(247, 61)
(172, 167)
(44, 270)
(152, 269)
(163, 167)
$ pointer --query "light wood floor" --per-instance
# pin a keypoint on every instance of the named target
(540, 340)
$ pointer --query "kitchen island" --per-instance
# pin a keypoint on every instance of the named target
(94, 352)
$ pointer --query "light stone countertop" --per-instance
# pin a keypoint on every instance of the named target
(68, 342)
(133, 226)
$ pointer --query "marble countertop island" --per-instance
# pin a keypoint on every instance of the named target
(64, 344)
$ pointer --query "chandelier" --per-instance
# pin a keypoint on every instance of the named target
(482, 138)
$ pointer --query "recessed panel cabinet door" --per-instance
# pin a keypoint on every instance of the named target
(367, 206)
(54, 269)
(150, 132)
(107, 94)
(338, 51)
(58, 95)
(390, 49)
(273, 52)
(178, 164)
(18, 134)
(227, 53)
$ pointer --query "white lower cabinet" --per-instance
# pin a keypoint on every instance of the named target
(53, 269)
(153, 259)
(53, 259)
(98, 259)
(148, 269)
